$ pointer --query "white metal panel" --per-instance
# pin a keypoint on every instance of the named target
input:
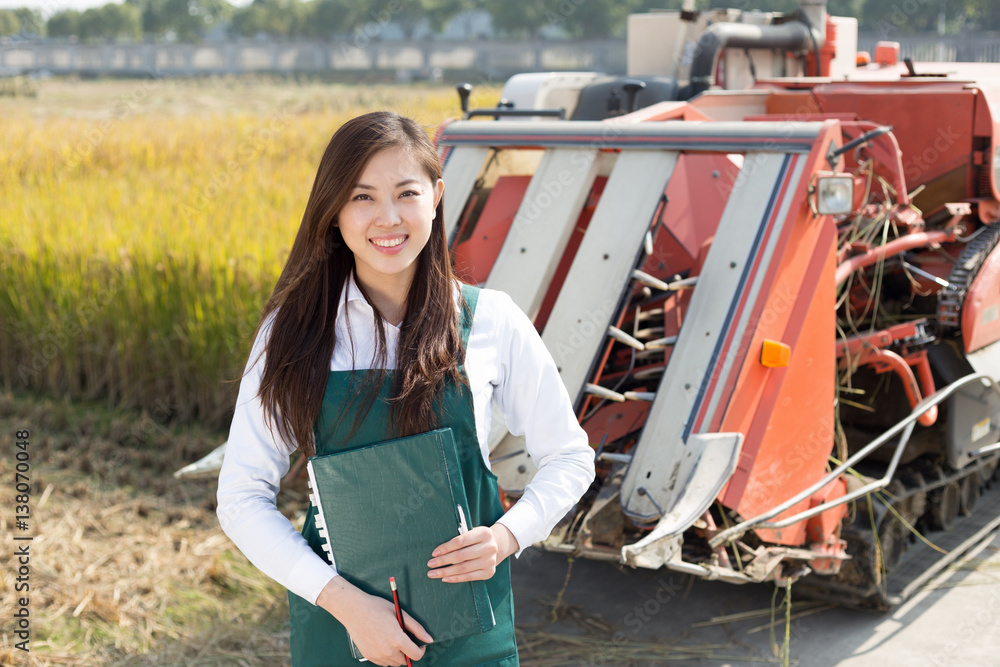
(460, 173)
(738, 242)
(707, 467)
(845, 58)
(509, 459)
(545, 90)
(542, 226)
(789, 179)
(600, 272)
(602, 268)
(655, 42)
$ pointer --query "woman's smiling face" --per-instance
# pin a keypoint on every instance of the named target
(387, 219)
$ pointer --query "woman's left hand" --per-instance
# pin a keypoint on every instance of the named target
(474, 555)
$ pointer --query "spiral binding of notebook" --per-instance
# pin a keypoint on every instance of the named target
(320, 519)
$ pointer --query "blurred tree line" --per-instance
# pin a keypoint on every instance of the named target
(192, 20)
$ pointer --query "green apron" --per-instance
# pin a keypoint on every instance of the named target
(318, 639)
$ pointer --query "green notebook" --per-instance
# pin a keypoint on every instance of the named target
(387, 506)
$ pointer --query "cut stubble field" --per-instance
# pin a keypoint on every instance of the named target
(128, 565)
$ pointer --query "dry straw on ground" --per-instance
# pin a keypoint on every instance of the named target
(128, 564)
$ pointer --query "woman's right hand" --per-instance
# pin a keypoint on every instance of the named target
(371, 622)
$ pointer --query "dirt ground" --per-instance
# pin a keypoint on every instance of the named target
(619, 614)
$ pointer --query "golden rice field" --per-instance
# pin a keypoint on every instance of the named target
(143, 224)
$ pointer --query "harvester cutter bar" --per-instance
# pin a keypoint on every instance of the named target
(638, 159)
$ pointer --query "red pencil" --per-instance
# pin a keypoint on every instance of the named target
(399, 613)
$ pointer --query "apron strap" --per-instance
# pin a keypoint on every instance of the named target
(470, 295)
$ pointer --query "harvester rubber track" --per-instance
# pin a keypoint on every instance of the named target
(952, 297)
(910, 562)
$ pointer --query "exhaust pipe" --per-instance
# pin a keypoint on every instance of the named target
(814, 12)
(809, 31)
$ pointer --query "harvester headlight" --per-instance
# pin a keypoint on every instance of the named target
(834, 195)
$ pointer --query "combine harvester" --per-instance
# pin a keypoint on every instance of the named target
(769, 276)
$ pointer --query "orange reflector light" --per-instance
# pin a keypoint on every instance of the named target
(774, 354)
(886, 53)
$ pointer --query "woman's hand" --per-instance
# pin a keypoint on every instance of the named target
(474, 555)
(371, 622)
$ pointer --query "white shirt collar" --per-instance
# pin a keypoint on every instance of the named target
(351, 292)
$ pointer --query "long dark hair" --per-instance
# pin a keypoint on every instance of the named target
(307, 294)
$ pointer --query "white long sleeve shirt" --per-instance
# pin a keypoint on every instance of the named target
(505, 362)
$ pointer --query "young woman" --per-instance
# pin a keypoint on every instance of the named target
(367, 337)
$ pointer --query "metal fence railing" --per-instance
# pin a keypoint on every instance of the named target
(491, 59)
(970, 47)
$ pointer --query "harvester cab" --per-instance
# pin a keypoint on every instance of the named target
(778, 328)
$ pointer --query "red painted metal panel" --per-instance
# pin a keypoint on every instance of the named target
(791, 432)
(786, 414)
(476, 255)
(575, 239)
(616, 420)
(932, 122)
(981, 312)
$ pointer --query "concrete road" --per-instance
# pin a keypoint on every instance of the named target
(954, 621)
